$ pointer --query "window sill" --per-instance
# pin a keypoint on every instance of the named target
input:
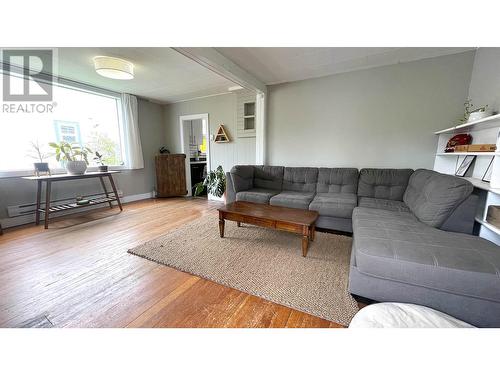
(14, 174)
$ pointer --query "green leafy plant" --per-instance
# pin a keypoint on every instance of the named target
(98, 158)
(215, 182)
(37, 152)
(468, 109)
(65, 151)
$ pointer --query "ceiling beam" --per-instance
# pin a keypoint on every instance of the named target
(218, 63)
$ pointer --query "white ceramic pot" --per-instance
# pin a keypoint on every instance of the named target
(474, 116)
(76, 167)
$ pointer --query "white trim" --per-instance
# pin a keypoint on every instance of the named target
(27, 219)
(260, 128)
(212, 59)
(199, 97)
(206, 123)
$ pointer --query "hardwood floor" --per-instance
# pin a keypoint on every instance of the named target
(78, 274)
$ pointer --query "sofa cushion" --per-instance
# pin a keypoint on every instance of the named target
(292, 199)
(300, 179)
(384, 204)
(242, 177)
(267, 177)
(433, 196)
(396, 246)
(334, 204)
(256, 195)
(383, 183)
(337, 180)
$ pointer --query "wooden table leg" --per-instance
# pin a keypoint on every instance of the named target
(221, 227)
(115, 191)
(312, 232)
(305, 239)
(47, 203)
(238, 224)
(105, 190)
(305, 244)
(38, 199)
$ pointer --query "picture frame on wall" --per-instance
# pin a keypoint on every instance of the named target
(464, 167)
(489, 170)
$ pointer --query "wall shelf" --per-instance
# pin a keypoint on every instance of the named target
(483, 131)
(467, 153)
(489, 226)
(484, 123)
(221, 136)
(483, 185)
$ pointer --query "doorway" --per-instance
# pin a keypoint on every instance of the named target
(195, 141)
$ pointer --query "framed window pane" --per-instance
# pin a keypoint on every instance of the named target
(86, 118)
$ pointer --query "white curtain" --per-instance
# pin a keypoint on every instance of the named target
(132, 138)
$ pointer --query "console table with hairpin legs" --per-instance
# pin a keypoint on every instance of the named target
(108, 197)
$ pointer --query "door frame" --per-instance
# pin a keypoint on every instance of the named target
(206, 126)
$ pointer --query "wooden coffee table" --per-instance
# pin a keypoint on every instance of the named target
(263, 215)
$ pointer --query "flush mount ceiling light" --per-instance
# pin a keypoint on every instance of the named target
(113, 67)
(235, 88)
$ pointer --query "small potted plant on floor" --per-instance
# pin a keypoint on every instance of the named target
(99, 159)
(38, 154)
(215, 182)
(73, 155)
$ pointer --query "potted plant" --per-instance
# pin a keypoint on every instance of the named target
(215, 182)
(99, 159)
(74, 156)
(38, 154)
(471, 114)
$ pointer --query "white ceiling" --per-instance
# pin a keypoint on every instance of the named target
(279, 65)
(165, 76)
(161, 74)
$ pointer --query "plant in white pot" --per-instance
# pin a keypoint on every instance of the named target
(73, 155)
(471, 114)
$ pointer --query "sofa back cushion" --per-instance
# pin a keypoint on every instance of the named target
(383, 183)
(337, 180)
(300, 179)
(267, 177)
(433, 196)
(242, 177)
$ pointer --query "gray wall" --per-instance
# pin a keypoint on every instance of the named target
(380, 117)
(15, 191)
(485, 81)
(220, 109)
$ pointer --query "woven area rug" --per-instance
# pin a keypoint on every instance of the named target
(263, 262)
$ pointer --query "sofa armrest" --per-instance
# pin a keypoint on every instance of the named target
(462, 218)
(230, 193)
(242, 177)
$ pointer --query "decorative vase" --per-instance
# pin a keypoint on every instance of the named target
(76, 167)
(41, 167)
(102, 168)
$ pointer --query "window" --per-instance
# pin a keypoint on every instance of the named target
(83, 117)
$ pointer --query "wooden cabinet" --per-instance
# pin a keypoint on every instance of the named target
(170, 175)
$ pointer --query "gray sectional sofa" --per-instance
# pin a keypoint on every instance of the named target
(411, 230)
